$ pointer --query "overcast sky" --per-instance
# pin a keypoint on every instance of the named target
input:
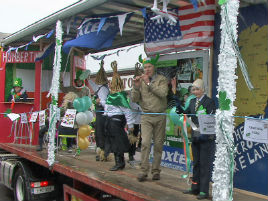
(17, 14)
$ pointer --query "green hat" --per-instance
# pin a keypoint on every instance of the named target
(147, 60)
(17, 82)
(78, 74)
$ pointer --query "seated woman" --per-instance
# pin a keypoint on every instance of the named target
(18, 93)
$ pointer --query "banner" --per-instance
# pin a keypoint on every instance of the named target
(95, 33)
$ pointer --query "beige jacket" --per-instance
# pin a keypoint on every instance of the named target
(152, 98)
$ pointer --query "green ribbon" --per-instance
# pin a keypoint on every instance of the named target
(186, 148)
(118, 99)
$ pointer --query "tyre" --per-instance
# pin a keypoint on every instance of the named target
(20, 189)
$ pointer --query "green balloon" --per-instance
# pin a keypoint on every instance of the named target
(175, 117)
(86, 101)
(78, 105)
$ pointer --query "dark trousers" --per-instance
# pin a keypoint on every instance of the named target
(100, 133)
(132, 149)
(42, 132)
(203, 155)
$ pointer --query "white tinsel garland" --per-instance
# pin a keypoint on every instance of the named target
(54, 93)
(222, 187)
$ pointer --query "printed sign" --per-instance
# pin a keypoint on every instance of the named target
(34, 117)
(19, 57)
(256, 130)
(207, 124)
(24, 119)
(68, 119)
(42, 118)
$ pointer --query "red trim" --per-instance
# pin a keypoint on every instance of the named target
(37, 98)
(3, 79)
(105, 186)
(73, 192)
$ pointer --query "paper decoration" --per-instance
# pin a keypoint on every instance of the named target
(35, 39)
(68, 119)
(162, 14)
(222, 187)
(13, 116)
(42, 118)
(121, 20)
(54, 92)
(256, 130)
(23, 119)
(207, 124)
(34, 117)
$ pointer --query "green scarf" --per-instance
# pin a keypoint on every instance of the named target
(118, 99)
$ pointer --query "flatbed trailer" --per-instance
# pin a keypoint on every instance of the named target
(91, 180)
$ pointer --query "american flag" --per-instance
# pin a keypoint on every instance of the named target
(194, 30)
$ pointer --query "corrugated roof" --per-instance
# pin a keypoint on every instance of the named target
(133, 31)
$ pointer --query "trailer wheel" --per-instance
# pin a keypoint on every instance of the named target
(20, 192)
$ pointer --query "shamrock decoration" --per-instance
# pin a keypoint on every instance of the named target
(54, 101)
(8, 111)
(224, 102)
(221, 2)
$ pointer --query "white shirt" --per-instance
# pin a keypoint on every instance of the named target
(136, 109)
(102, 93)
(112, 110)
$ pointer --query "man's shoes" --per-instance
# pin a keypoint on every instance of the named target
(191, 192)
(142, 177)
(202, 196)
(156, 176)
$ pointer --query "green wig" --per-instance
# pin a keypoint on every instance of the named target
(152, 61)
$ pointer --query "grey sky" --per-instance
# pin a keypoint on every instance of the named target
(17, 14)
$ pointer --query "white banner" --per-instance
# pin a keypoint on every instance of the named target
(207, 124)
(68, 119)
(34, 117)
(13, 116)
(23, 119)
(42, 118)
(256, 130)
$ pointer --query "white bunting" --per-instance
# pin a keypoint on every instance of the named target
(121, 21)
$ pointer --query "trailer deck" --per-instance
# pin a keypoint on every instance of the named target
(122, 184)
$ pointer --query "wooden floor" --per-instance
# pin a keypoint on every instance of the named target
(123, 183)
